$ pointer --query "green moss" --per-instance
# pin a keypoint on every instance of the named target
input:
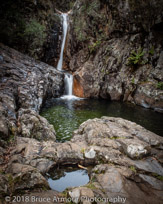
(91, 186)
(157, 176)
(96, 171)
(160, 85)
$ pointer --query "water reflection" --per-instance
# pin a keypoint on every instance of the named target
(67, 115)
(61, 179)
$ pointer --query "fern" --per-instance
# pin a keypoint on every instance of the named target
(136, 58)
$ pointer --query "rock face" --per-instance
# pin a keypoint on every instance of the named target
(114, 51)
(25, 84)
(126, 159)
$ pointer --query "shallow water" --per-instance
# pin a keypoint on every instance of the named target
(61, 179)
(66, 115)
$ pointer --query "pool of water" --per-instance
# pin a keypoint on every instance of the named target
(61, 179)
(66, 115)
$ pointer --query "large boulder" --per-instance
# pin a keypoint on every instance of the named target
(25, 83)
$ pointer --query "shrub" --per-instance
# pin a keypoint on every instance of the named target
(160, 85)
(35, 33)
(136, 58)
(151, 51)
(93, 47)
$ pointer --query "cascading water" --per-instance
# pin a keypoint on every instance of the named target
(68, 84)
(65, 26)
(68, 80)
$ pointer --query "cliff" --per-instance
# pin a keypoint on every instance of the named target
(114, 50)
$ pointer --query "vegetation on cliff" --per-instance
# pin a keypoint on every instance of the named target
(32, 27)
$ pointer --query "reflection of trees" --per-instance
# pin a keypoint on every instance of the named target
(59, 172)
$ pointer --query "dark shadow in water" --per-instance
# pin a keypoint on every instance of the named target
(67, 115)
(62, 178)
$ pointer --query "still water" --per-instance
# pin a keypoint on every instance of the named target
(61, 179)
(67, 115)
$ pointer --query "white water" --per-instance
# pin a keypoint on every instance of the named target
(65, 26)
(68, 83)
(68, 80)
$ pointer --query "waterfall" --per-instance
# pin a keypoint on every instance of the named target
(68, 83)
(65, 26)
(68, 78)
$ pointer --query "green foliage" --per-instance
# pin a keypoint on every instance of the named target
(91, 186)
(157, 176)
(151, 51)
(11, 138)
(79, 30)
(160, 85)
(133, 169)
(160, 178)
(94, 46)
(90, 7)
(87, 21)
(133, 80)
(35, 33)
(136, 58)
(83, 150)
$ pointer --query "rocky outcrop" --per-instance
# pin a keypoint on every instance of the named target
(33, 125)
(25, 84)
(126, 159)
(114, 51)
